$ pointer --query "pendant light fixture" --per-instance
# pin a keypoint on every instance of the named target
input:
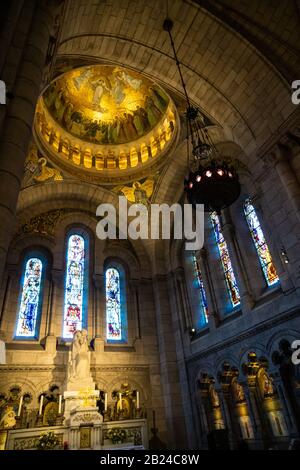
(210, 181)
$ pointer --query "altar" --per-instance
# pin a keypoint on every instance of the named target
(81, 416)
(113, 435)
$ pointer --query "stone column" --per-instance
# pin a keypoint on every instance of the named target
(168, 332)
(99, 312)
(228, 229)
(11, 278)
(134, 288)
(213, 313)
(280, 158)
(16, 129)
(182, 343)
(56, 284)
(182, 298)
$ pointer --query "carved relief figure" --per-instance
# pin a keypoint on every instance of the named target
(238, 392)
(268, 387)
(214, 397)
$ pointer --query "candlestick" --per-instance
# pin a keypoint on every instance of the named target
(41, 404)
(59, 404)
(120, 398)
(137, 399)
(20, 405)
(105, 401)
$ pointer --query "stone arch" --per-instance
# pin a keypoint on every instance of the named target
(258, 348)
(228, 357)
(148, 51)
(26, 385)
(79, 198)
(125, 258)
(85, 224)
(116, 383)
(274, 340)
(26, 242)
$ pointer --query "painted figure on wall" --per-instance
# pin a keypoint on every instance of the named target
(8, 419)
(106, 105)
(139, 192)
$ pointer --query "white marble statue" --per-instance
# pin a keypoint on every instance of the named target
(79, 374)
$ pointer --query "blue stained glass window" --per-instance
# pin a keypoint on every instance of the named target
(113, 305)
(30, 299)
(230, 279)
(73, 307)
(200, 286)
(260, 243)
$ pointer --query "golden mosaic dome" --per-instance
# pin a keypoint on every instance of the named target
(106, 120)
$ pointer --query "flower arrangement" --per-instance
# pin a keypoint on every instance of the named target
(117, 435)
(47, 441)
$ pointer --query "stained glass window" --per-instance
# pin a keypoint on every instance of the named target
(230, 279)
(113, 305)
(30, 299)
(260, 243)
(73, 308)
(200, 286)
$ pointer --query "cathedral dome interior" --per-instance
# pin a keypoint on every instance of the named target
(150, 221)
(105, 121)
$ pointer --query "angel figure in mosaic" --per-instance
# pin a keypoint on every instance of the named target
(138, 193)
(45, 172)
(85, 75)
(134, 83)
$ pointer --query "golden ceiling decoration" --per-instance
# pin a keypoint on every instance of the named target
(104, 120)
(106, 105)
(37, 169)
(138, 192)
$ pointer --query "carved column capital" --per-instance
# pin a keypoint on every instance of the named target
(278, 153)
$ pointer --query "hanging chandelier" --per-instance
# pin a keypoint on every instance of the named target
(211, 180)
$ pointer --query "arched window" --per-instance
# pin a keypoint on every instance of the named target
(76, 283)
(260, 243)
(116, 321)
(31, 300)
(202, 293)
(230, 279)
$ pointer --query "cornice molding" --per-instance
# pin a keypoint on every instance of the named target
(240, 337)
